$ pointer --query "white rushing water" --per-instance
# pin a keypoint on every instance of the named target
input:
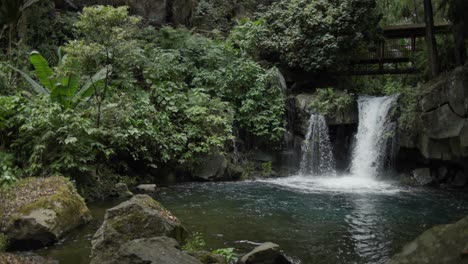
(370, 150)
(367, 158)
(317, 156)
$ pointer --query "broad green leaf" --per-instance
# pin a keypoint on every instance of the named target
(36, 86)
(43, 71)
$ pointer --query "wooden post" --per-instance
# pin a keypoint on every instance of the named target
(430, 39)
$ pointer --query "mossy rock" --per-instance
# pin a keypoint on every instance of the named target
(137, 218)
(39, 211)
(8, 258)
(446, 244)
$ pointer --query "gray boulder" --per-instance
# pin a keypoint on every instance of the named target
(155, 250)
(140, 217)
(266, 253)
(445, 244)
(121, 190)
(212, 167)
(423, 176)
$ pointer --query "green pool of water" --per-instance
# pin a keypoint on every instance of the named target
(312, 224)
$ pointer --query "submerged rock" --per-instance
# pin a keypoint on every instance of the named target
(37, 212)
(156, 250)
(8, 258)
(266, 253)
(445, 244)
(140, 217)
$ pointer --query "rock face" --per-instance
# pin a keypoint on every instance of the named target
(156, 250)
(267, 253)
(446, 244)
(442, 138)
(139, 218)
(39, 211)
(212, 167)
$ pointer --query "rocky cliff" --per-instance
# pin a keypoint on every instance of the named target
(440, 143)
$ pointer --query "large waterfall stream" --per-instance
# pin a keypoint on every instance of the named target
(370, 149)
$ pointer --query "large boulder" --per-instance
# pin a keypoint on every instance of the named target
(37, 212)
(140, 217)
(445, 244)
(266, 253)
(211, 167)
(155, 250)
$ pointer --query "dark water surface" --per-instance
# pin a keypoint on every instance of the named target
(311, 225)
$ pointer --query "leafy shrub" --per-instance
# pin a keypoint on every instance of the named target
(227, 253)
(7, 174)
(314, 35)
(329, 102)
(195, 243)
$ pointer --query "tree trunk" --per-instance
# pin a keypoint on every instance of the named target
(430, 39)
(459, 38)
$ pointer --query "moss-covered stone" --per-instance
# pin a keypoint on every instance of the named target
(39, 211)
(140, 217)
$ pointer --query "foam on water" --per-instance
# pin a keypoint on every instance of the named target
(346, 184)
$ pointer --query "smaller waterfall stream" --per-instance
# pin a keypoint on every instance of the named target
(317, 156)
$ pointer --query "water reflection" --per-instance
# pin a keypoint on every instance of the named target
(366, 235)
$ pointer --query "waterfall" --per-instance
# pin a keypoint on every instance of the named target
(371, 140)
(317, 156)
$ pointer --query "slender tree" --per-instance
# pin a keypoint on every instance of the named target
(430, 38)
(458, 14)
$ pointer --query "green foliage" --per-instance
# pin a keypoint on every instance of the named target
(7, 177)
(408, 103)
(446, 51)
(316, 34)
(329, 102)
(227, 253)
(3, 242)
(62, 87)
(195, 243)
(267, 168)
(148, 98)
(51, 141)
